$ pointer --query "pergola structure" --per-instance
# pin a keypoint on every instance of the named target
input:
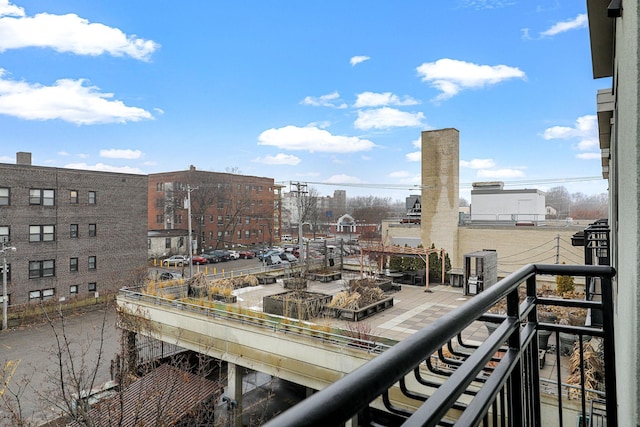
(391, 250)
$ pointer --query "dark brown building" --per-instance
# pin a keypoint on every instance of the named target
(76, 232)
(226, 209)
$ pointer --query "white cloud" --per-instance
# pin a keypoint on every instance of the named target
(7, 159)
(385, 118)
(329, 100)
(68, 33)
(343, 179)
(585, 132)
(578, 22)
(450, 76)
(589, 156)
(115, 153)
(63, 153)
(500, 173)
(104, 168)
(399, 174)
(372, 99)
(313, 139)
(414, 156)
(486, 4)
(478, 163)
(68, 100)
(278, 159)
(417, 143)
(83, 156)
(8, 9)
(355, 60)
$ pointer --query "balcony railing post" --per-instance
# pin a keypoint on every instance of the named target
(609, 351)
(515, 383)
(534, 371)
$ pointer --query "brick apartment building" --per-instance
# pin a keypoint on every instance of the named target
(226, 209)
(76, 232)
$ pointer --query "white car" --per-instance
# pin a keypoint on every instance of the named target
(175, 260)
(234, 254)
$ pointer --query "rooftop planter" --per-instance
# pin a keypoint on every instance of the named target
(301, 305)
(324, 275)
(295, 283)
(359, 313)
(266, 279)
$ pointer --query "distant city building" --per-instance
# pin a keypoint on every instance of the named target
(328, 208)
(226, 209)
(77, 233)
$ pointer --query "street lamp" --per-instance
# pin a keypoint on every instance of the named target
(3, 251)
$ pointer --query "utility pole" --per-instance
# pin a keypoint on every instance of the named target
(558, 249)
(5, 301)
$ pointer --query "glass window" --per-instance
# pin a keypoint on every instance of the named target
(34, 294)
(159, 219)
(42, 233)
(73, 197)
(73, 231)
(92, 287)
(4, 233)
(5, 199)
(8, 272)
(39, 269)
(92, 230)
(167, 242)
(73, 264)
(159, 186)
(73, 289)
(92, 262)
(48, 293)
(42, 197)
(92, 197)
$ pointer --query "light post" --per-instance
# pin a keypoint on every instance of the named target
(4, 283)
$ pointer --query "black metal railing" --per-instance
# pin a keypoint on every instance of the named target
(496, 382)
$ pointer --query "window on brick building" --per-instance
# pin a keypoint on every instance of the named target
(39, 269)
(4, 233)
(92, 197)
(42, 233)
(93, 286)
(92, 230)
(8, 272)
(73, 197)
(73, 231)
(42, 197)
(73, 289)
(167, 242)
(92, 262)
(73, 265)
(159, 219)
(159, 186)
(5, 196)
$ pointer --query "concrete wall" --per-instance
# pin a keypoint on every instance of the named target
(518, 246)
(624, 202)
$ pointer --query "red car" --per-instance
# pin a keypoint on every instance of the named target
(198, 260)
(247, 255)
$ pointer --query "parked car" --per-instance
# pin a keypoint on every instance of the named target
(267, 254)
(175, 260)
(273, 260)
(246, 254)
(210, 258)
(170, 275)
(221, 254)
(199, 260)
(286, 256)
(234, 254)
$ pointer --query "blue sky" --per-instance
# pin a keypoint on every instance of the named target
(334, 93)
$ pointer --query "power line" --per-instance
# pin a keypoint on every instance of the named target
(464, 185)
